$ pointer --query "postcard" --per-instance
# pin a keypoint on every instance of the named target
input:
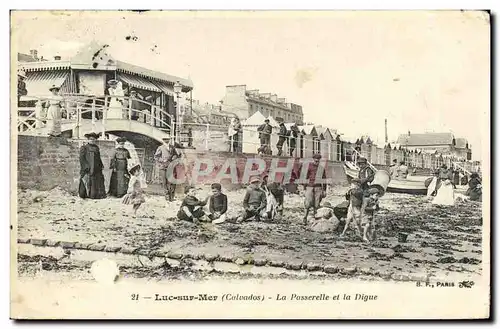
(250, 164)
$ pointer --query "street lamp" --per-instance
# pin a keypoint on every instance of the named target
(178, 116)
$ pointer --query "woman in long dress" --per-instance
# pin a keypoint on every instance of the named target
(118, 183)
(91, 166)
(115, 107)
(54, 117)
(445, 195)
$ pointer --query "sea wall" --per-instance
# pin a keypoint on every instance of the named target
(44, 163)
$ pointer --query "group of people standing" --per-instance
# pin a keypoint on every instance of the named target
(127, 178)
(265, 130)
(49, 110)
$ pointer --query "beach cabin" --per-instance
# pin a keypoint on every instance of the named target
(251, 142)
(326, 144)
(309, 142)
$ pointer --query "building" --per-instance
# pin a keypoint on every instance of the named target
(197, 112)
(31, 57)
(244, 103)
(443, 143)
(86, 75)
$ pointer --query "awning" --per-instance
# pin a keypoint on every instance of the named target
(138, 82)
(167, 89)
(38, 83)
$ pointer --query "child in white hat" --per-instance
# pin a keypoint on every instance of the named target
(135, 193)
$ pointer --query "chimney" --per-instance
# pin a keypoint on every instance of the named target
(386, 136)
(57, 58)
(34, 54)
(409, 133)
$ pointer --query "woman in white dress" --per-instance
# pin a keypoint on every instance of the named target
(54, 112)
(445, 195)
(115, 107)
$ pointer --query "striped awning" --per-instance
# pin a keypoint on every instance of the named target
(138, 82)
(39, 82)
(166, 88)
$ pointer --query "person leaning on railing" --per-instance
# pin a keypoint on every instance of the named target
(265, 130)
(282, 134)
(292, 140)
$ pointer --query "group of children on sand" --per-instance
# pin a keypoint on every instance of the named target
(358, 209)
(259, 203)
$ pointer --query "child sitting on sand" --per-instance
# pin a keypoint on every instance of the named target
(217, 205)
(191, 207)
(254, 202)
(135, 192)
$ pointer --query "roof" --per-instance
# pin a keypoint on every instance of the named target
(141, 71)
(267, 101)
(25, 58)
(426, 139)
(38, 83)
(324, 131)
(96, 53)
(461, 143)
(308, 130)
(255, 119)
(45, 65)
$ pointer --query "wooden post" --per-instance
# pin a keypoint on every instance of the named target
(104, 117)
(78, 118)
(130, 108)
(153, 115)
(93, 114)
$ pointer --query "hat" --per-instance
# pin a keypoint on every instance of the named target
(54, 87)
(166, 138)
(133, 91)
(474, 174)
(362, 160)
(189, 188)
(327, 204)
(112, 82)
(133, 167)
(317, 156)
(395, 160)
(216, 186)
(373, 190)
(92, 135)
(267, 120)
(121, 140)
(254, 180)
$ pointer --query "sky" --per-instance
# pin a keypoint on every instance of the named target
(422, 71)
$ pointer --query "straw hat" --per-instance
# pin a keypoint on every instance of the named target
(255, 180)
(112, 82)
(132, 166)
(92, 135)
(121, 140)
(54, 87)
